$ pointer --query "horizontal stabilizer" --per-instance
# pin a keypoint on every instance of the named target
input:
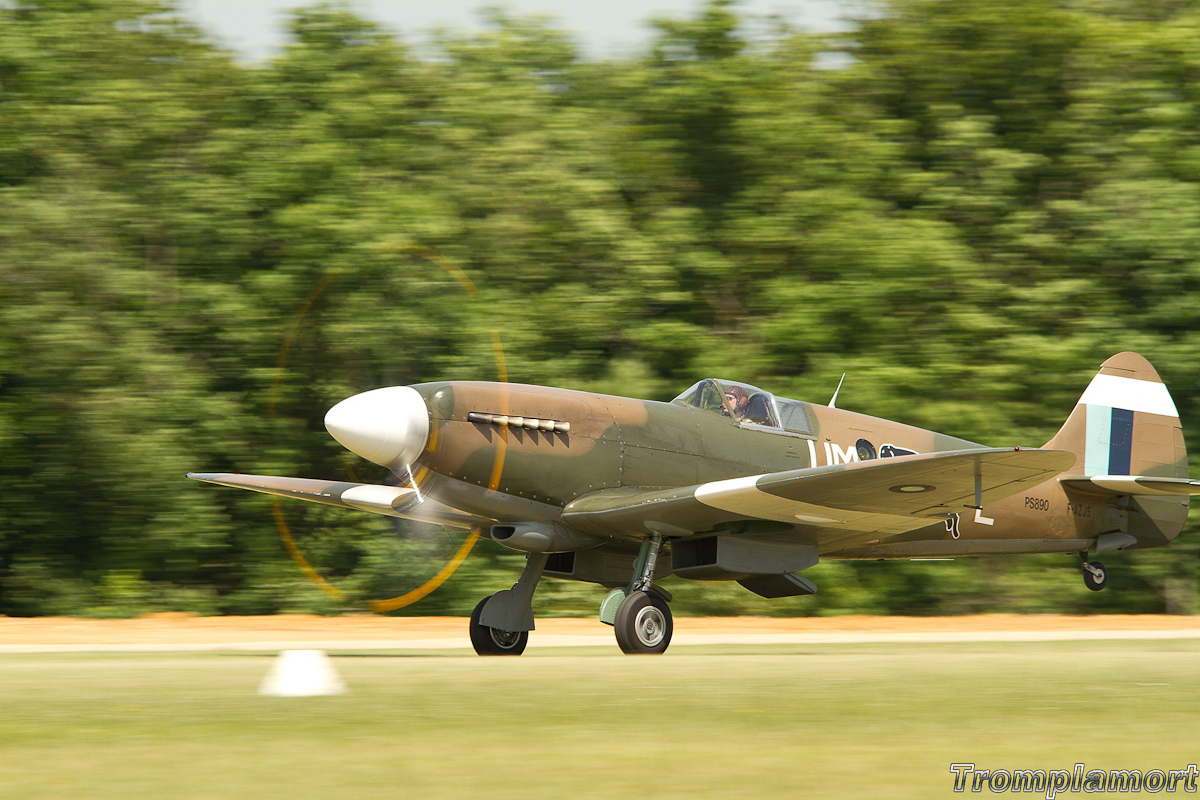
(391, 501)
(1132, 484)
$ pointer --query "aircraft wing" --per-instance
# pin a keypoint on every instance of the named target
(844, 504)
(391, 501)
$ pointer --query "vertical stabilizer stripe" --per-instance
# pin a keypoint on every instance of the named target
(1120, 443)
(1096, 456)
(1117, 392)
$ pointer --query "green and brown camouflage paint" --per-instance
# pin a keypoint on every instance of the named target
(617, 443)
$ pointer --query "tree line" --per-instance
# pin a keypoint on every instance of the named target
(966, 208)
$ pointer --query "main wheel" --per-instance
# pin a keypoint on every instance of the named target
(493, 641)
(643, 623)
(1095, 576)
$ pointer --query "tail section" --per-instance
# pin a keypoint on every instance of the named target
(1126, 424)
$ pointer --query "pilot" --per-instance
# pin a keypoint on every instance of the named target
(737, 399)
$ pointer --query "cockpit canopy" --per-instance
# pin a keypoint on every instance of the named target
(747, 404)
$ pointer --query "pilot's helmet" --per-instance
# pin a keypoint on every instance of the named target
(736, 396)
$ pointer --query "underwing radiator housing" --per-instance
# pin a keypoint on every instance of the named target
(773, 586)
(727, 557)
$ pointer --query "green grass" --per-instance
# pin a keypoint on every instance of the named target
(787, 721)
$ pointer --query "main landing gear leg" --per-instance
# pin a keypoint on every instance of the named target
(643, 622)
(1095, 576)
(500, 624)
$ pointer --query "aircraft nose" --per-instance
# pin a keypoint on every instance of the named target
(388, 426)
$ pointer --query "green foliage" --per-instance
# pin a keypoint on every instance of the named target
(980, 207)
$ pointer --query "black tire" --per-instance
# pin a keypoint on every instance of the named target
(493, 641)
(1095, 582)
(643, 624)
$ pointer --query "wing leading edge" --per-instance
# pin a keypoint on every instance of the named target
(391, 501)
(843, 503)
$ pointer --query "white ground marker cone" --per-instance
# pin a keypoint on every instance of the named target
(301, 673)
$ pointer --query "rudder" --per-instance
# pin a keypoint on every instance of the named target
(1125, 423)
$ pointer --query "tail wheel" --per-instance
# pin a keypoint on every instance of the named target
(1095, 576)
(493, 641)
(643, 624)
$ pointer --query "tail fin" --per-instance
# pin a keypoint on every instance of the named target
(1125, 424)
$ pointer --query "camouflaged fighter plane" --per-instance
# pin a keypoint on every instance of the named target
(728, 482)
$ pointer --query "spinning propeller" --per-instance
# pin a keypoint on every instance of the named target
(389, 427)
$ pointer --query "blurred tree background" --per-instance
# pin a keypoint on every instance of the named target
(966, 206)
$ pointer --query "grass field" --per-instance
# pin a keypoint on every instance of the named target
(871, 721)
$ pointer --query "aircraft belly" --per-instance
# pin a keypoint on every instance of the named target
(949, 548)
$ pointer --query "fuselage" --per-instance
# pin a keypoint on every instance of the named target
(618, 441)
(494, 449)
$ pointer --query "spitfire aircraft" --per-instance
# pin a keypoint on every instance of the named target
(728, 482)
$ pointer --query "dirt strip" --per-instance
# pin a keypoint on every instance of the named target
(183, 629)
